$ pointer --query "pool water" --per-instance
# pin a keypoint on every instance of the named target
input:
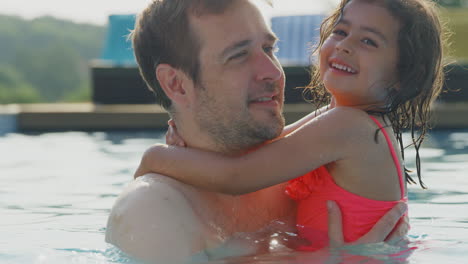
(57, 189)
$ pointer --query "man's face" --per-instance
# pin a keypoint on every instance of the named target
(239, 99)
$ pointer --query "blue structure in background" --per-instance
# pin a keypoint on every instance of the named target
(8, 123)
(118, 49)
(297, 36)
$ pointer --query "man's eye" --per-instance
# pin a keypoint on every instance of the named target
(271, 49)
(369, 42)
(238, 55)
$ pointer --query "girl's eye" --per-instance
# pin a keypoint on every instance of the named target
(339, 32)
(369, 42)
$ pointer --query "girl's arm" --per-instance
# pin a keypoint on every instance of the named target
(320, 141)
(292, 127)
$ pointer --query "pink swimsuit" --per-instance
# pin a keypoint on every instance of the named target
(360, 214)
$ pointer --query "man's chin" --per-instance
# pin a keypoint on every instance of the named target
(271, 127)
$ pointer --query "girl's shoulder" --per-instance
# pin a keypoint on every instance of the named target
(348, 111)
(351, 118)
(354, 124)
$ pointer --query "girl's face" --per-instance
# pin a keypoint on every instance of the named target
(358, 60)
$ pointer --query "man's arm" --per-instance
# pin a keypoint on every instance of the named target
(153, 221)
(391, 227)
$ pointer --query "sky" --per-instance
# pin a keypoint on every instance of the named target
(97, 11)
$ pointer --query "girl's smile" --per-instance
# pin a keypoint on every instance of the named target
(340, 67)
(358, 61)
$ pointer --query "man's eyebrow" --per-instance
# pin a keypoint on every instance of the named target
(366, 28)
(244, 43)
(272, 37)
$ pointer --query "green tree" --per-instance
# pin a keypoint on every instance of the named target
(452, 3)
(14, 88)
(456, 20)
(83, 94)
(51, 55)
(54, 70)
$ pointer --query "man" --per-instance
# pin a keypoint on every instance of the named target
(211, 64)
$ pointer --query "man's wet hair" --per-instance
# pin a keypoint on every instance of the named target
(163, 34)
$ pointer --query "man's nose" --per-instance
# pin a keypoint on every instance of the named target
(267, 68)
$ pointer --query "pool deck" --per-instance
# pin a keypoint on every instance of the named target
(89, 116)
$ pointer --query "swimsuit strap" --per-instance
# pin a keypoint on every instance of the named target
(394, 155)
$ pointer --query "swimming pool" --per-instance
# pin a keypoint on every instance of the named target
(57, 189)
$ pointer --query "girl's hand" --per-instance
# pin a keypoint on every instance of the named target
(172, 137)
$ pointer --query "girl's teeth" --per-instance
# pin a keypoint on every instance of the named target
(264, 99)
(342, 67)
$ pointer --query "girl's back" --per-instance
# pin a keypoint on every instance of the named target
(366, 183)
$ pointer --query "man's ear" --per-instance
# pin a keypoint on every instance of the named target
(172, 82)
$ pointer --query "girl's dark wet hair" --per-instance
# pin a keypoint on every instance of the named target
(420, 69)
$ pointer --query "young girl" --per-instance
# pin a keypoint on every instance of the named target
(381, 62)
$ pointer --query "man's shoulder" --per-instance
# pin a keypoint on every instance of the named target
(154, 186)
(153, 220)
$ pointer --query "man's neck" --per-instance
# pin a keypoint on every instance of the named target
(197, 139)
(232, 214)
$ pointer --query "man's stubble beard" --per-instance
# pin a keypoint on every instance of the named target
(234, 130)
